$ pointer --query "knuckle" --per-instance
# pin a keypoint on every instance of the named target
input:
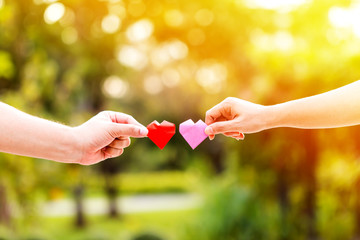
(229, 100)
(131, 118)
(111, 131)
(106, 112)
(126, 117)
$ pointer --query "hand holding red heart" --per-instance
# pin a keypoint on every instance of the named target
(106, 135)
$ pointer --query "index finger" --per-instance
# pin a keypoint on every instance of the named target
(118, 117)
(118, 130)
(213, 114)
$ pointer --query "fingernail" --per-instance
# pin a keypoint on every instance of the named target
(212, 137)
(143, 131)
(209, 131)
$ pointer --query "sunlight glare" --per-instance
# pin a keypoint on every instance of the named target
(339, 17)
(54, 13)
(356, 30)
(282, 5)
(1, 4)
(347, 18)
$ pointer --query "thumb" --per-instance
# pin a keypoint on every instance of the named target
(221, 127)
(129, 130)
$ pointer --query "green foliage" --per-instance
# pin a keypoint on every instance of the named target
(7, 68)
(232, 212)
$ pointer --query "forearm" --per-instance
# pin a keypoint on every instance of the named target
(337, 108)
(23, 134)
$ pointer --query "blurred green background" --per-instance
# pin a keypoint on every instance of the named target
(172, 60)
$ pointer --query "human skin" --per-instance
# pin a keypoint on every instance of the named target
(103, 136)
(336, 108)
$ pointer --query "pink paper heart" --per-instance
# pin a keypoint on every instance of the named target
(193, 133)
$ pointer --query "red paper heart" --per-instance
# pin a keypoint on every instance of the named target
(161, 134)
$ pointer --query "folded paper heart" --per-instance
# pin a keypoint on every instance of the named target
(161, 134)
(193, 133)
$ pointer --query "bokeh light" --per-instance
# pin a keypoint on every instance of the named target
(204, 17)
(140, 30)
(168, 52)
(160, 57)
(153, 84)
(54, 13)
(132, 57)
(279, 41)
(68, 19)
(170, 77)
(1, 3)
(69, 35)
(177, 49)
(117, 9)
(110, 23)
(136, 8)
(211, 76)
(174, 18)
(115, 87)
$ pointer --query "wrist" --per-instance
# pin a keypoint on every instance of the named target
(75, 146)
(272, 116)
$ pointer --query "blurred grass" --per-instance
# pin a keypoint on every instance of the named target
(162, 182)
(140, 183)
(166, 225)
